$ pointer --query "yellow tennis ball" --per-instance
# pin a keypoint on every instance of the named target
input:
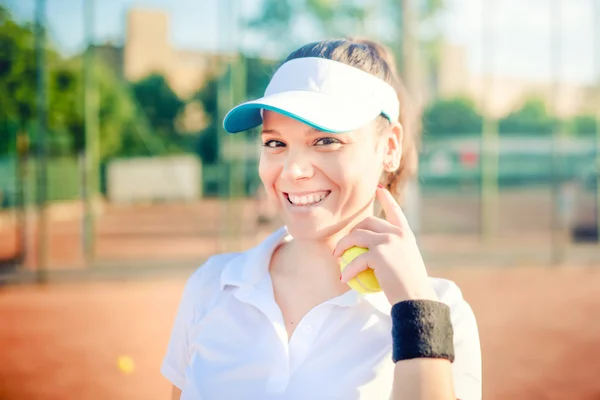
(365, 281)
(125, 364)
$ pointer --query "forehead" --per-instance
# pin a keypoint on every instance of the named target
(284, 123)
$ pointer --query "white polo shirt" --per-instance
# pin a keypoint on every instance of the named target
(229, 339)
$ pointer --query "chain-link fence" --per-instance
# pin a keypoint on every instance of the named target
(113, 152)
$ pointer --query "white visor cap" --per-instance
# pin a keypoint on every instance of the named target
(325, 94)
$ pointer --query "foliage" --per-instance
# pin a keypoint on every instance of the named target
(119, 122)
(17, 70)
(159, 103)
(583, 125)
(207, 145)
(258, 74)
(451, 116)
(531, 117)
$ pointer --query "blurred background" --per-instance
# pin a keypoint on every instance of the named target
(117, 179)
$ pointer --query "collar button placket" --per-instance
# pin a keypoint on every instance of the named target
(305, 334)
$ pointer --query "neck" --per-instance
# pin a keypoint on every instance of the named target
(308, 259)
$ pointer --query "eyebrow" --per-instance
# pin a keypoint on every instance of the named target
(310, 131)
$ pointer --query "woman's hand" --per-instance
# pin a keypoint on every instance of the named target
(393, 253)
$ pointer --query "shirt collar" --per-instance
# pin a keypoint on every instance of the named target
(248, 267)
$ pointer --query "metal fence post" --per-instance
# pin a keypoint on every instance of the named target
(490, 145)
(42, 139)
(90, 171)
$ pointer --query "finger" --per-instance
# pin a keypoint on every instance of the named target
(354, 267)
(358, 237)
(393, 212)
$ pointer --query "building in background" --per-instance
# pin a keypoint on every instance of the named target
(506, 93)
(147, 50)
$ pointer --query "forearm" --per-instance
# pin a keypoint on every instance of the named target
(423, 379)
(422, 350)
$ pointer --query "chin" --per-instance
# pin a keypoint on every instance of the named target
(317, 222)
(314, 230)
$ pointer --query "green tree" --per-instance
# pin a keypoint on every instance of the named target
(121, 122)
(122, 129)
(17, 71)
(65, 111)
(208, 140)
(454, 116)
(531, 118)
(258, 74)
(18, 86)
(118, 117)
(159, 103)
(583, 125)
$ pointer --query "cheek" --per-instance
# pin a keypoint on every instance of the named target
(268, 172)
(357, 176)
(361, 168)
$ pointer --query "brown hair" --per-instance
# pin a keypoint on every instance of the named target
(377, 60)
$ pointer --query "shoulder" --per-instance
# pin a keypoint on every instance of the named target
(237, 268)
(204, 284)
(450, 294)
(467, 368)
(209, 273)
(447, 291)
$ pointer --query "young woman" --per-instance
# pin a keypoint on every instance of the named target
(279, 321)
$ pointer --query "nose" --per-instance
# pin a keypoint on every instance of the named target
(297, 166)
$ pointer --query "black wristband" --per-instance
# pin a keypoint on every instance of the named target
(421, 329)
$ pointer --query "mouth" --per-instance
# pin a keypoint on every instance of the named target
(306, 199)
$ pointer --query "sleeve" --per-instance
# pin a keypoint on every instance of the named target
(176, 359)
(466, 368)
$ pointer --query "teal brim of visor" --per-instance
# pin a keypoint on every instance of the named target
(248, 116)
(317, 110)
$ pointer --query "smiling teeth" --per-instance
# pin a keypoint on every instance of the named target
(306, 200)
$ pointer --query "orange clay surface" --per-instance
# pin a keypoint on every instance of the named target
(539, 329)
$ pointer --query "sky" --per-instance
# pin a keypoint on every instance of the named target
(523, 45)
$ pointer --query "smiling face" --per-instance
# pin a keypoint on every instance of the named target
(321, 182)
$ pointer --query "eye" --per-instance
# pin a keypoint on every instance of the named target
(273, 144)
(326, 141)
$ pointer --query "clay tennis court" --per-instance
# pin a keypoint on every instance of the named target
(166, 233)
(539, 329)
(538, 324)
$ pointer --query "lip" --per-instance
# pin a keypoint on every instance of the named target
(297, 208)
(316, 192)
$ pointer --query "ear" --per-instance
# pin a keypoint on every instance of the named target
(393, 138)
